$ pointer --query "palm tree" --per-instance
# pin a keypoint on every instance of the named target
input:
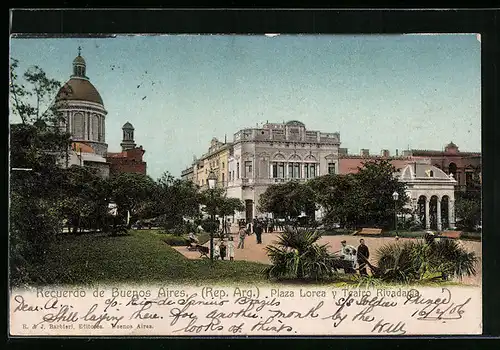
(297, 255)
(413, 261)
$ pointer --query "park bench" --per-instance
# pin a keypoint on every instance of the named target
(451, 234)
(191, 245)
(368, 231)
(203, 251)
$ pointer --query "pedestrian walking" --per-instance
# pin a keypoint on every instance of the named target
(222, 250)
(249, 228)
(216, 251)
(230, 248)
(242, 233)
(258, 232)
(363, 255)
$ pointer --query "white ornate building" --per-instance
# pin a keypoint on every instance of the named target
(275, 153)
(84, 118)
(432, 194)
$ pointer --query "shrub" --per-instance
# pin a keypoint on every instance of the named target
(175, 241)
(412, 261)
(474, 236)
(297, 255)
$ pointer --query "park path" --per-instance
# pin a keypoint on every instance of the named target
(257, 253)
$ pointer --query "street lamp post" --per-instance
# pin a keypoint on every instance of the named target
(212, 179)
(395, 196)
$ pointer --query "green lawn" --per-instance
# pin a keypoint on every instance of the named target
(140, 257)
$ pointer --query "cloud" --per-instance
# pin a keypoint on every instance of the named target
(478, 37)
(271, 35)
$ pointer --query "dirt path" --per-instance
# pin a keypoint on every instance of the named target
(256, 252)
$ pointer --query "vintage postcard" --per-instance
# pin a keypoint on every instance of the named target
(245, 185)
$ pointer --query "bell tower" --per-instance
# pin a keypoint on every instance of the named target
(128, 137)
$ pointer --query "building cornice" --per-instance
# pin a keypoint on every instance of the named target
(71, 105)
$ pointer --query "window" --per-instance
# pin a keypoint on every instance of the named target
(290, 170)
(222, 165)
(469, 181)
(232, 175)
(281, 170)
(331, 168)
(278, 170)
(78, 125)
(312, 171)
(238, 170)
(296, 170)
(248, 168)
(223, 179)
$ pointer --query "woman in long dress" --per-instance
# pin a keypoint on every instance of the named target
(230, 248)
(216, 251)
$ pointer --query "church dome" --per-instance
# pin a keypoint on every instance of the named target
(79, 60)
(79, 89)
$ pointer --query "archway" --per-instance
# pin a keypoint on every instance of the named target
(445, 202)
(433, 213)
(421, 210)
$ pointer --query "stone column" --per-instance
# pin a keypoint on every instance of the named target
(270, 170)
(427, 216)
(68, 122)
(103, 129)
(303, 170)
(451, 213)
(89, 121)
(439, 223)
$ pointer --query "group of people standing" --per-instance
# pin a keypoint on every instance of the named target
(221, 250)
(351, 256)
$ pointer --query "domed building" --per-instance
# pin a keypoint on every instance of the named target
(431, 192)
(84, 118)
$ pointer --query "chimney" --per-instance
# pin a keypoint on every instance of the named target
(365, 152)
(385, 153)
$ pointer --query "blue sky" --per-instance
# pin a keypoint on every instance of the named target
(392, 92)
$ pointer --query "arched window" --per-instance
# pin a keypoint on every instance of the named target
(78, 126)
(94, 131)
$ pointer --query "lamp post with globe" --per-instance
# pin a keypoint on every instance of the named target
(395, 197)
(212, 180)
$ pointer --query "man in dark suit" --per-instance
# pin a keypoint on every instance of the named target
(363, 255)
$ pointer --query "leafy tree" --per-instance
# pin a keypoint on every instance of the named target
(174, 199)
(37, 144)
(468, 210)
(217, 203)
(338, 196)
(376, 183)
(360, 199)
(131, 193)
(288, 200)
(86, 198)
(298, 255)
